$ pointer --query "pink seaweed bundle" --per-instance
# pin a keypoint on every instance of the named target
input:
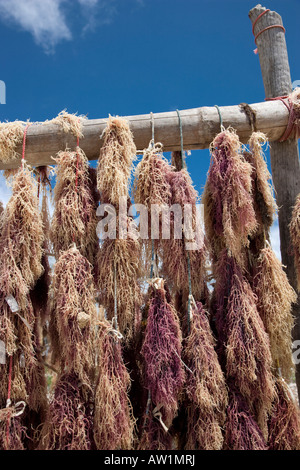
(241, 430)
(161, 352)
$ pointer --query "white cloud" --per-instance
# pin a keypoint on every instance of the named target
(88, 3)
(44, 19)
(5, 191)
(275, 239)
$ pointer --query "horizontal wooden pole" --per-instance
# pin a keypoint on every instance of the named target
(199, 125)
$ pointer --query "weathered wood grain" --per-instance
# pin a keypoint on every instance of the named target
(200, 125)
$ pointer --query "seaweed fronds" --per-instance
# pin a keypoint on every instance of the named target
(74, 218)
(266, 206)
(22, 231)
(151, 184)
(175, 251)
(14, 439)
(241, 431)
(229, 212)
(69, 423)
(295, 237)
(118, 264)
(205, 386)
(70, 123)
(284, 423)
(243, 344)
(116, 157)
(113, 422)
(11, 135)
(275, 297)
(72, 313)
(248, 355)
(161, 353)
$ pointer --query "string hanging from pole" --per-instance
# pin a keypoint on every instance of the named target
(187, 253)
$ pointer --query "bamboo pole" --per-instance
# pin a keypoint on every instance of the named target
(273, 56)
(199, 126)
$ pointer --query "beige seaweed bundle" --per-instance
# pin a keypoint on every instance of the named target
(190, 249)
(284, 423)
(295, 237)
(152, 189)
(151, 184)
(116, 157)
(74, 218)
(21, 241)
(70, 123)
(274, 302)
(266, 206)
(113, 420)
(229, 214)
(23, 226)
(205, 386)
(11, 135)
(243, 343)
(118, 264)
(72, 314)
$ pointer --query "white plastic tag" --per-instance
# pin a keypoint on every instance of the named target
(13, 304)
(2, 353)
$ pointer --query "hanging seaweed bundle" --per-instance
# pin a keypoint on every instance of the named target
(23, 226)
(241, 430)
(205, 386)
(274, 302)
(74, 218)
(69, 424)
(152, 189)
(266, 206)
(21, 242)
(69, 123)
(118, 275)
(295, 238)
(11, 134)
(113, 422)
(116, 157)
(284, 423)
(244, 345)
(151, 184)
(21, 252)
(72, 314)
(175, 255)
(161, 352)
(229, 215)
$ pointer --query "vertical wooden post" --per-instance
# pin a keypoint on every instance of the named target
(273, 56)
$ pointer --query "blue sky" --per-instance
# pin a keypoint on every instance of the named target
(100, 57)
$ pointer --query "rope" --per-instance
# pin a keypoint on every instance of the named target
(220, 117)
(292, 126)
(269, 27)
(76, 178)
(265, 29)
(115, 318)
(181, 140)
(24, 143)
(187, 253)
(8, 402)
(152, 130)
(251, 115)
